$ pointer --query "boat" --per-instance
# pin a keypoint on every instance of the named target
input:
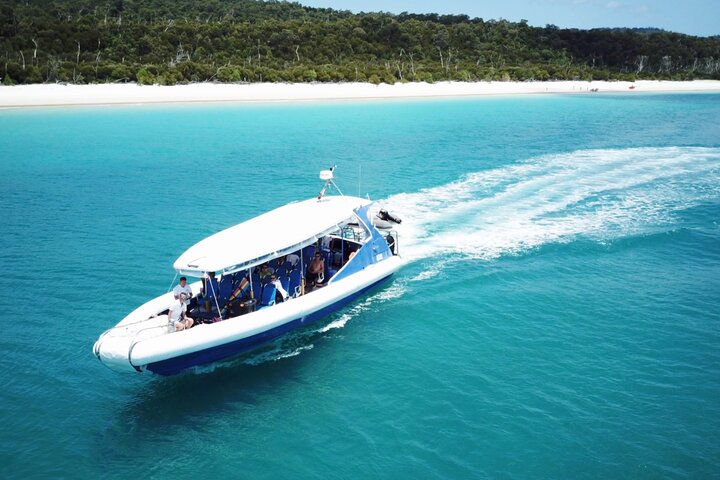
(234, 309)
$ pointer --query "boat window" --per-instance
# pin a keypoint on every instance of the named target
(283, 277)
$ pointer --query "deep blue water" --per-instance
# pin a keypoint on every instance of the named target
(559, 315)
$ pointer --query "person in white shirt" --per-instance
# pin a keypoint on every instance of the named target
(177, 317)
(293, 259)
(183, 287)
(280, 293)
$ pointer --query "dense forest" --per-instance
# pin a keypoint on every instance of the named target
(180, 41)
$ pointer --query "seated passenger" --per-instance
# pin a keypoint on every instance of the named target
(315, 270)
(293, 259)
(181, 288)
(280, 293)
(177, 315)
(265, 270)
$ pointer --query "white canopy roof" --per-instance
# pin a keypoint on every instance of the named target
(278, 232)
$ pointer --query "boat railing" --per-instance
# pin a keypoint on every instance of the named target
(164, 329)
(135, 328)
(352, 232)
(395, 246)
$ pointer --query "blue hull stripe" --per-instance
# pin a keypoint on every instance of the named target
(175, 365)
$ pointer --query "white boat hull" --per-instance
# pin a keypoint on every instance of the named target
(140, 343)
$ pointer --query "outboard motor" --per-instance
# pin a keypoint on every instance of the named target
(388, 217)
(384, 220)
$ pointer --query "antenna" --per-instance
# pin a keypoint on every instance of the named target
(327, 175)
(359, 178)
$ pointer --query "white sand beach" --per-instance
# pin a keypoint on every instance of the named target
(130, 93)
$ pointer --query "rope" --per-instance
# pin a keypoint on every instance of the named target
(173, 282)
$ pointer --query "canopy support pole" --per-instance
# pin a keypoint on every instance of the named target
(173, 282)
(252, 290)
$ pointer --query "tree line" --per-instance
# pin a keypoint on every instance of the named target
(179, 41)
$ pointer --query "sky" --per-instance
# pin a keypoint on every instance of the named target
(693, 17)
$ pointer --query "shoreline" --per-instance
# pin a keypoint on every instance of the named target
(63, 95)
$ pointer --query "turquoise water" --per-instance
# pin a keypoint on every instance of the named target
(558, 316)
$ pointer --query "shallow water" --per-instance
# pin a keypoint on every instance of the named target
(558, 315)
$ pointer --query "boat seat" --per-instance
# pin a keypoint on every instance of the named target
(328, 257)
(225, 289)
(285, 282)
(308, 254)
(337, 259)
(268, 296)
(240, 290)
(282, 272)
(211, 288)
(330, 268)
(293, 287)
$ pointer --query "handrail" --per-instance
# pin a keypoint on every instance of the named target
(124, 325)
(106, 334)
(134, 342)
(396, 237)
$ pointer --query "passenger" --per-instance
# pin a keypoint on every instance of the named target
(280, 293)
(177, 315)
(315, 269)
(265, 270)
(293, 259)
(183, 287)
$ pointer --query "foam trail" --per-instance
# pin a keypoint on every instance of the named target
(599, 194)
(394, 291)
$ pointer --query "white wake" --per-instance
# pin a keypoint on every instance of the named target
(599, 194)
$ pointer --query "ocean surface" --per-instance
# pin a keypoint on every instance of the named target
(558, 316)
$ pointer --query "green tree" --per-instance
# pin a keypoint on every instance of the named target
(144, 77)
